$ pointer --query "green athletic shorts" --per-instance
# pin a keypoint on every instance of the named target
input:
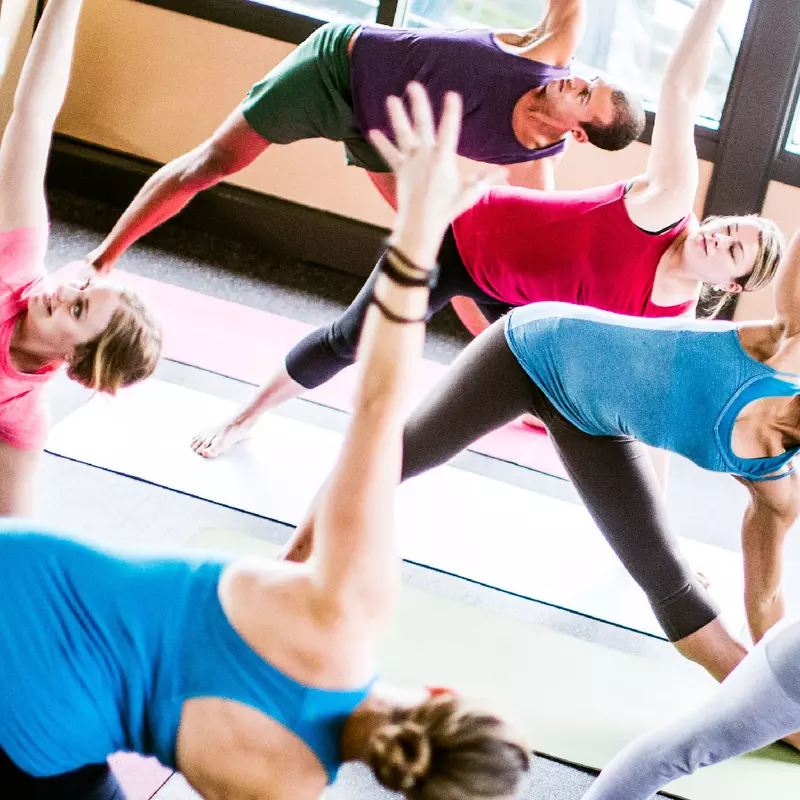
(308, 96)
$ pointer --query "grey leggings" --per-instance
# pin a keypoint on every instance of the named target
(328, 350)
(486, 388)
(757, 704)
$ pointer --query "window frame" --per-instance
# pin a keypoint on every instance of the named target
(786, 165)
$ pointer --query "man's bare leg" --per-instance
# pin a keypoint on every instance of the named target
(230, 149)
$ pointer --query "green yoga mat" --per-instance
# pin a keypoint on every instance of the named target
(579, 702)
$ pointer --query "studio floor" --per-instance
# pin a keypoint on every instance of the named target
(119, 511)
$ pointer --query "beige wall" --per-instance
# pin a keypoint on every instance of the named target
(783, 205)
(16, 26)
(155, 83)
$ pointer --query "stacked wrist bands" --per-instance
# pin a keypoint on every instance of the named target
(401, 270)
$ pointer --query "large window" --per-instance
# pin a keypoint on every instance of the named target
(627, 40)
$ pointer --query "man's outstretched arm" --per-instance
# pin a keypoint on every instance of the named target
(555, 38)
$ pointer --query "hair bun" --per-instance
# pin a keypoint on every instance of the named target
(400, 755)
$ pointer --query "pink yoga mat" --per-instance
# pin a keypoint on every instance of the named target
(139, 777)
(247, 343)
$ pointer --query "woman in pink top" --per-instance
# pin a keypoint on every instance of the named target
(101, 332)
(632, 248)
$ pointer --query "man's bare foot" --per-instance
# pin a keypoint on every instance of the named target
(213, 442)
(532, 422)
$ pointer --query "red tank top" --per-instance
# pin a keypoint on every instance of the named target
(525, 246)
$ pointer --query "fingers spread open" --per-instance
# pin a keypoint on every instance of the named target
(422, 113)
(450, 124)
(404, 134)
(391, 155)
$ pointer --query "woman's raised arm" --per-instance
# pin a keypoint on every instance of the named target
(670, 181)
(40, 93)
(355, 558)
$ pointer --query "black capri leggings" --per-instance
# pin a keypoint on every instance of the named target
(92, 782)
(328, 350)
(485, 388)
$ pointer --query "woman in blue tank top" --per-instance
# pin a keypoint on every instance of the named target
(256, 678)
(725, 396)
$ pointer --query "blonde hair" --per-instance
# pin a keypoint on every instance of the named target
(126, 352)
(442, 750)
(770, 252)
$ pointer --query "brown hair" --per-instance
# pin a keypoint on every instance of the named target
(126, 352)
(626, 126)
(770, 253)
(441, 750)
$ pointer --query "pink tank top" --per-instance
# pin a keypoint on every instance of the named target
(23, 413)
(525, 246)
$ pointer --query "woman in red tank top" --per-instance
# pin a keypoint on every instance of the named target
(591, 247)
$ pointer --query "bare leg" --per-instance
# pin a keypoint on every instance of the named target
(301, 542)
(713, 648)
(470, 315)
(230, 149)
(38, 99)
(17, 469)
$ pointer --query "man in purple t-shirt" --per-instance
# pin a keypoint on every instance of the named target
(520, 106)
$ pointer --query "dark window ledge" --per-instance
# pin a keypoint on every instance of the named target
(786, 169)
(247, 15)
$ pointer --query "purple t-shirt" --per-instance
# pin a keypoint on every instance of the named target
(489, 79)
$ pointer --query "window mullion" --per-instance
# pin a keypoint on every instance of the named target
(758, 108)
(392, 12)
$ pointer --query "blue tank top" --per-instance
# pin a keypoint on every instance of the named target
(489, 79)
(677, 384)
(99, 654)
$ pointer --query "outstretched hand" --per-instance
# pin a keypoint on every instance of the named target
(430, 189)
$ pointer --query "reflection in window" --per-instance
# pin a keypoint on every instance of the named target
(628, 40)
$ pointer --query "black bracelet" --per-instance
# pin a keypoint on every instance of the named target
(406, 261)
(403, 258)
(392, 271)
(391, 316)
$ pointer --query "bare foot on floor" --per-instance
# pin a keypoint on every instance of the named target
(213, 442)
